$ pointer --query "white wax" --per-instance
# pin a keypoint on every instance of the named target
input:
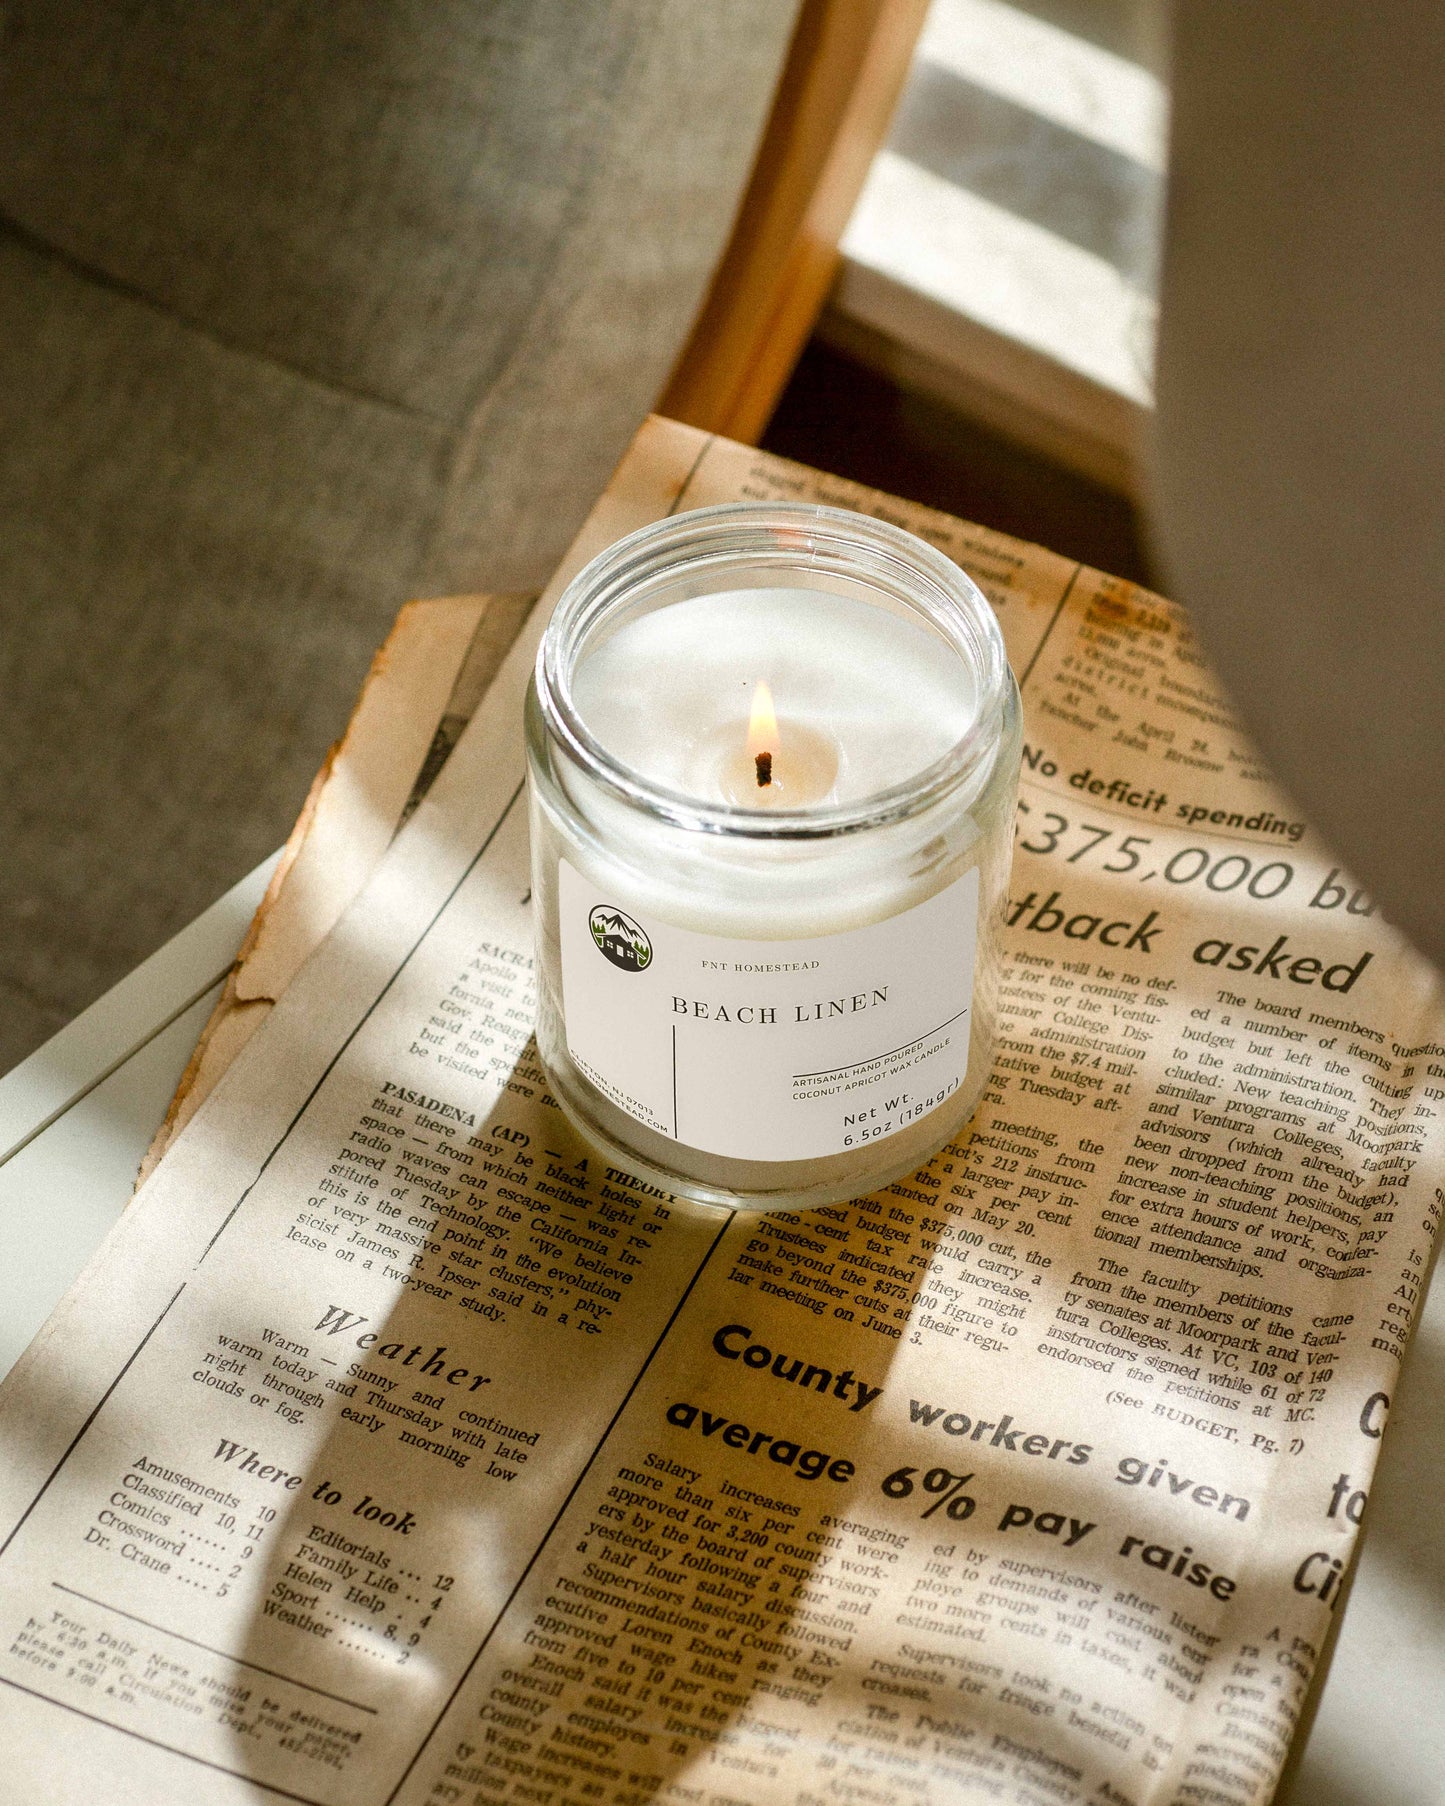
(669, 694)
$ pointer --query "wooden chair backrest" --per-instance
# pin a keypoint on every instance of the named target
(844, 72)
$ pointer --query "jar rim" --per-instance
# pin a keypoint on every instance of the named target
(783, 536)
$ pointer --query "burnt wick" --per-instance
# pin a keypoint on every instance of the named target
(764, 764)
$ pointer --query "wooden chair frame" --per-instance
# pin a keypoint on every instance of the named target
(842, 78)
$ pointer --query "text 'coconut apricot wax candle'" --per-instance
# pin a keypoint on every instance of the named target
(773, 752)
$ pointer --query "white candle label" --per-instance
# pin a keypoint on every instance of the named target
(769, 1049)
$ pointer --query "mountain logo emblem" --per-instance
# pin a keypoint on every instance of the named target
(619, 938)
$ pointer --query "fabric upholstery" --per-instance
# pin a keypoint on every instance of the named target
(1301, 425)
(304, 310)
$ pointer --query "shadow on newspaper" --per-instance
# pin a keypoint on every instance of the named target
(629, 1500)
(602, 1513)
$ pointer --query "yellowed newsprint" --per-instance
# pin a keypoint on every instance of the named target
(396, 1450)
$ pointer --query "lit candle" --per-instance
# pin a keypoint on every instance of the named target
(766, 773)
(773, 757)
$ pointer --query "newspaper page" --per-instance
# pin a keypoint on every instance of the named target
(396, 1449)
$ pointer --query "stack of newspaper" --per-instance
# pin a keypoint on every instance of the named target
(396, 1448)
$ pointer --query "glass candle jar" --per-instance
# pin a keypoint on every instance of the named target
(773, 757)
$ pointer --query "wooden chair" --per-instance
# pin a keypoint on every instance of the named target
(845, 68)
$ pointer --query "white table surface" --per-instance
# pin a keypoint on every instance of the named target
(77, 1116)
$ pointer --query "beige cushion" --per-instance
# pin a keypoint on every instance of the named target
(304, 310)
(1301, 429)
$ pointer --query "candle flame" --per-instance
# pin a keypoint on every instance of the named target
(763, 723)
